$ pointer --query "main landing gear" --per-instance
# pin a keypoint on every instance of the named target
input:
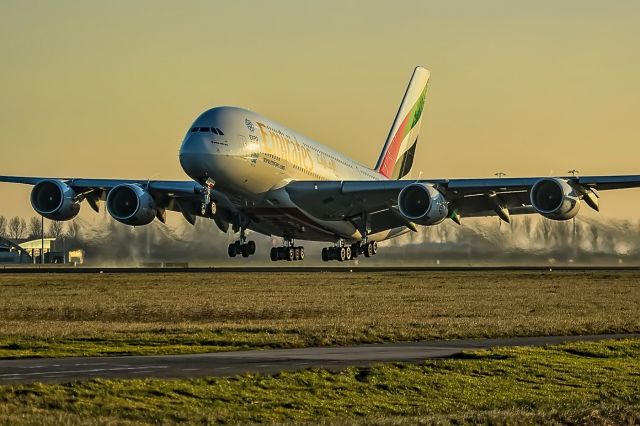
(242, 246)
(287, 252)
(342, 252)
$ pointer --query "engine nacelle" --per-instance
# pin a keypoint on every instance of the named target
(555, 199)
(130, 204)
(423, 204)
(54, 200)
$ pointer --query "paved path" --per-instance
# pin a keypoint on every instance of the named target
(56, 370)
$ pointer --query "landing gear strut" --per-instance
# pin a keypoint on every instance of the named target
(342, 252)
(242, 246)
(288, 252)
(208, 208)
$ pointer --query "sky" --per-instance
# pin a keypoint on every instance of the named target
(108, 89)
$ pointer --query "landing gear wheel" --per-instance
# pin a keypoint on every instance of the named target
(232, 250)
(288, 252)
(251, 246)
(368, 250)
(374, 248)
(244, 248)
(348, 254)
(325, 254)
(342, 255)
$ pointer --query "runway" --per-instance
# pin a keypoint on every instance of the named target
(62, 370)
(37, 269)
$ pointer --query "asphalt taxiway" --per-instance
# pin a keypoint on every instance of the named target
(60, 370)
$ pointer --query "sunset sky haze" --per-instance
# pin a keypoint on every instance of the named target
(108, 89)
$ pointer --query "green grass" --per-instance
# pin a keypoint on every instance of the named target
(571, 383)
(104, 314)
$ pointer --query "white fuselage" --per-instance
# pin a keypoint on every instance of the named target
(250, 159)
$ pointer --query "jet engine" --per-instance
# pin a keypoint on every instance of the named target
(130, 204)
(423, 204)
(555, 199)
(55, 200)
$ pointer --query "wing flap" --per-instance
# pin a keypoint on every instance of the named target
(610, 182)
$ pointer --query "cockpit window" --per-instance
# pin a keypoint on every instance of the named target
(207, 130)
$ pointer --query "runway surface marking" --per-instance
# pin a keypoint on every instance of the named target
(61, 370)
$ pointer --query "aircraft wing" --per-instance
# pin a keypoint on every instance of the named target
(106, 184)
(342, 200)
(180, 196)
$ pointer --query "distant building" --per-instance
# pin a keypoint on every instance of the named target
(35, 247)
(23, 251)
(10, 252)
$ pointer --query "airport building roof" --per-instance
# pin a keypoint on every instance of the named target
(36, 244)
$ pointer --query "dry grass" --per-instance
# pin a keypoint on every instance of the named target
(92, 314)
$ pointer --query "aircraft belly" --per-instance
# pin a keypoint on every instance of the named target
(287, 229)
(276, 214)
(291, 223)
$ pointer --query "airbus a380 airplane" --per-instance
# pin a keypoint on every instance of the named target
(251, 173)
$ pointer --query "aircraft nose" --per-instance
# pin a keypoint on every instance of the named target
(194, 144)
(193, 154)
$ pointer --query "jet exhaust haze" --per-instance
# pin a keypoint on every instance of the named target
(526, 241)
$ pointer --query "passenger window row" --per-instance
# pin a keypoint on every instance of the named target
(215, 130)
(328, 155)
(295, 166)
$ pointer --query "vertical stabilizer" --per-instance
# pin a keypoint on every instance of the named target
(397, 155)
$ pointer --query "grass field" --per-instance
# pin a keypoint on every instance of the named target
(101, 314)
(579, 383)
